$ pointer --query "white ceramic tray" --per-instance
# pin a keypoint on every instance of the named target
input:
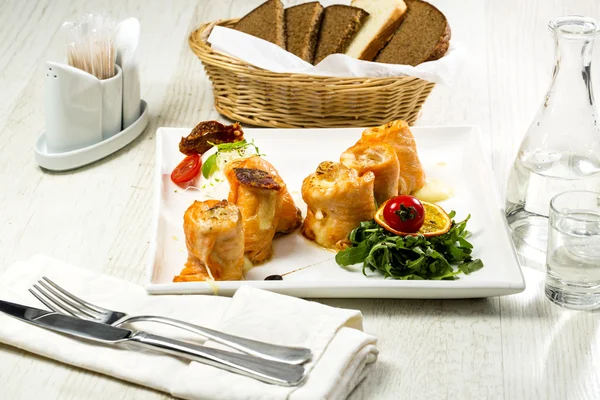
(453, 154)
(87, 155)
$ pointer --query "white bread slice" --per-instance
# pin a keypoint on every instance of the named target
(384, 18)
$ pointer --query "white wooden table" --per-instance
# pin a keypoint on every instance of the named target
(516, 347)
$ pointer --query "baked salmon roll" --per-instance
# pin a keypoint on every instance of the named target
(380, 159)
(214, 237)
(258, 196)
(398, 135)
(290, 217)
(338, 200)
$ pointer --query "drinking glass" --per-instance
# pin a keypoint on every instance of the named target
(573, 254)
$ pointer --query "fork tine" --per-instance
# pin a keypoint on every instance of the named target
(49, 302)
(76, 299)
(63, 303)
(44, 301)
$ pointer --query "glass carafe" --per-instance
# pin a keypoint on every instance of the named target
(561, 150)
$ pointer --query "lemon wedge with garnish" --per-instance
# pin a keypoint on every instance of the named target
(436, 222)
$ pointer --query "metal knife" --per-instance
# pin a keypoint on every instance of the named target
(273, 372)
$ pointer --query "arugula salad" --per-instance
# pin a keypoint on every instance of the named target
(411, 257)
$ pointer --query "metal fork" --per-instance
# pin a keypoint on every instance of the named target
(59, 300)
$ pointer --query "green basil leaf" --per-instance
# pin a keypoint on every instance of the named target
(471, 266)
(232, 146)
(352, 255)
(456, 254)
(209, 166)
(464, 243)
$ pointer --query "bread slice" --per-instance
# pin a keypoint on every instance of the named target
(267, 22)
(340, 25)
(424, 35)
(303, 23)
(384, 18)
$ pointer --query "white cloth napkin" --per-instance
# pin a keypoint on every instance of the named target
(342, 353)
(271, 57)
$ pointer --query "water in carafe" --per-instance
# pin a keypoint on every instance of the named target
(561, 150)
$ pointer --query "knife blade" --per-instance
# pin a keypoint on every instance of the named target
(268, 371)
(66, 324)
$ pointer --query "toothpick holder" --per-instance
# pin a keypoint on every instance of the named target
(87, 118)
(84, 118)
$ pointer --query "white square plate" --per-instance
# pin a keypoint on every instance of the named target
(453, 154)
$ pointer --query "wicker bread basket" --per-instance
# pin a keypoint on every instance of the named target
(255, 96)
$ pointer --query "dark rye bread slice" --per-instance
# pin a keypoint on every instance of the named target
(340, 25)
(424, 35)
(303, 23)
(267, 22)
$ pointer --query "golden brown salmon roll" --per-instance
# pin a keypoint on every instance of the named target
(338, 200)
(214, 238)
(398, 135)
(380, 159)
(290, 217)
(258, 196)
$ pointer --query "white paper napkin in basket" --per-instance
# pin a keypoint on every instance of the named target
(271, 57)
(343, 354)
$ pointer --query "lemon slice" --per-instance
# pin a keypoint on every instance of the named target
(437, 222)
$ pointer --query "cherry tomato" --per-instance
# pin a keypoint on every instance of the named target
(404, 213)
(187, 169)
